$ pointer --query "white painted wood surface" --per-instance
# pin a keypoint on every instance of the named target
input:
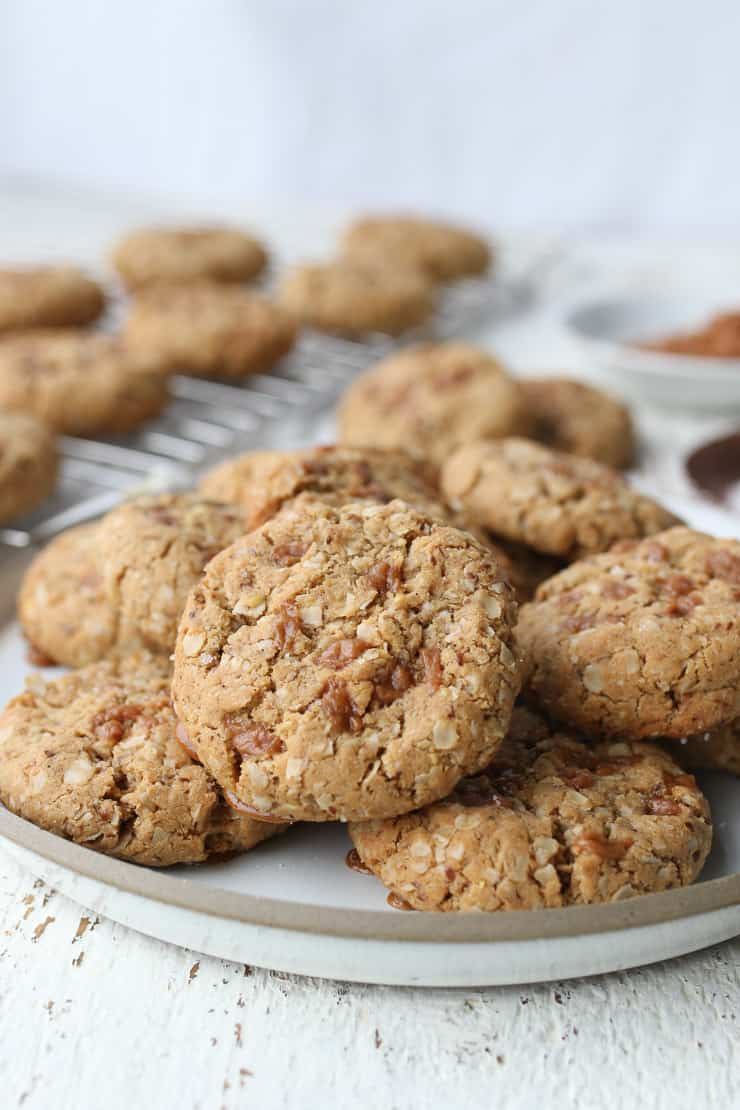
(93, 1015)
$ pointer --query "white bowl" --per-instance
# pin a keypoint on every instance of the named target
(606, 325)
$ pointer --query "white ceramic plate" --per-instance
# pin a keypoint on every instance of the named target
(606, 324)
(294, 905)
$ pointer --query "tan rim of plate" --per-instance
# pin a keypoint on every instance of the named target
(463, 928)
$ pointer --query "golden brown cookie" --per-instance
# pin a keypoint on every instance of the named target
(152, 551)
(62, 606)
(340, 663)
(156, 256)
(440, 251)
(555, 503)
(208, 330)
(643, 641)
(93, 756)
(581, 420)
(48, 297)
(79, 382)
(357, 298)
(718, 750)
(430, 398)
(29, 463)
(552, 822)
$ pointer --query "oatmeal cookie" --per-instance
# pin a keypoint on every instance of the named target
(555, 503)
(62, 606)
(552, 822)
(80, 383)
(48, 297)
(643, 641)
(429, 399)
(152, 552)
(342, 663)
(718, 750)
(93, 756)
(439, 251)
(155, 256)
(29, 463)
(580, 419)
(210, 331)
(357, 298)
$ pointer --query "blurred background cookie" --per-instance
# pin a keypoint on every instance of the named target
(29, 463)
(152, 256)
(439, 251)
(48, 297)
(580, 419)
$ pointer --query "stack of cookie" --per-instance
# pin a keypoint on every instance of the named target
(346, 646)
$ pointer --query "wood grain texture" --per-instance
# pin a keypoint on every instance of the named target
(95, 1014)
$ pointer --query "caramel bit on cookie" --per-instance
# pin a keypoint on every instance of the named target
(655, 552)
(337, 703)
(385, 578)
(659, 805)
(395, 679)
(578, 623)
(616, 590)
(110, 724)
(432, 664)
(253, 739)
(287, 627)
(580, 778)
(342, 652)
(601, 847)
(287, 554)
(725, 565)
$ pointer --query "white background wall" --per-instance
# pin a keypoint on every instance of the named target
(608, 114)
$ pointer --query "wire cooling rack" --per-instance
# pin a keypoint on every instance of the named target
(208, 421)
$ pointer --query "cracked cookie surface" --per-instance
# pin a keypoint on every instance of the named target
(62, 605)
(552, 822)
(29, 463)
(152, 256)
(152, 552)
(347, 662)
(643, 641)
(48, 297)
(93, 756)
(357, 298)
(209, 330)
(440, 251)
(581, 420)
(429, 399)
(555, 503)
(80, 382)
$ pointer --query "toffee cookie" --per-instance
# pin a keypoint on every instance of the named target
(154, 256)
(357, 298)
(93, 756)
(429, 399)
(80, 383)
(439, 251)
(28, 464)
(48, 297)
(344, 663)
(211, 331)
(262, 481)
(715, 751)
(552, 822)
(62, 605)
(152, 552)
(577, 418)
(643, 641)
(555, 503)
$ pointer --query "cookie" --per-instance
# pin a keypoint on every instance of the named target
(340, 663)
(62, 605)
(714, 751)
(80, 383)
(643, 641)
(211, 331)
(357, 298)
(430, 398)
(93, 756)
(48, 297)
(439, 251)
(152, 551)
(156, 256)
(552, 822)
(552, 502)
(29, 464)
(580, 419)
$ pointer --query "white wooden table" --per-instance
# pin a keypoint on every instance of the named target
(94, 1015)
